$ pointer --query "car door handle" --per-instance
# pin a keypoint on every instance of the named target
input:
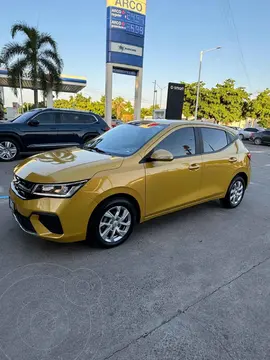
(232, 159)
(194, 167)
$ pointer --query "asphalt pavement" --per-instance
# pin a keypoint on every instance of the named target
(191, 285)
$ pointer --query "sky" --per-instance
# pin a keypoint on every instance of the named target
(176, 32)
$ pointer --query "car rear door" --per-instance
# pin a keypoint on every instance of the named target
(43, 135)
(74, 128)
(219, 161)
(170, 185)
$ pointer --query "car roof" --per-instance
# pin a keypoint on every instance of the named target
(68, 110)
(174, 123)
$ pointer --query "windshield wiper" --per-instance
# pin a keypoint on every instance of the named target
(94, 148)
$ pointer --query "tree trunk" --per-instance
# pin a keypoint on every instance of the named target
(36, 98)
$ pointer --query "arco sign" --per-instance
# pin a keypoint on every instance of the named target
(138, 6)
(126, 31)
(125, 46)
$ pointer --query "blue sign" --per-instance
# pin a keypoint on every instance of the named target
(125, 35)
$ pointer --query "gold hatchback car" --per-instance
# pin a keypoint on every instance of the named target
(132, 173)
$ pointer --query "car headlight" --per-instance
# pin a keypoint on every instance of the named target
(58, 190)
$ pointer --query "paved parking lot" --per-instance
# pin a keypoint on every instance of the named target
(191, 285)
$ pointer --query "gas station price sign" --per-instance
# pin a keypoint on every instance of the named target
(128, 21)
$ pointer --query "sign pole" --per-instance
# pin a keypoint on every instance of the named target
(125, 47)
(138, 95)
(108, 94)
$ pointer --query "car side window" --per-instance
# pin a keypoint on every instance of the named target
(46, 118)
(180, 143)
(230, 137)
(213, 139)
(69, 118)
(76, 118)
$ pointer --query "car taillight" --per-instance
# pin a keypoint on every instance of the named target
(107, 128)
(249, 156)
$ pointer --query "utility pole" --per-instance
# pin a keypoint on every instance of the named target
(155, 93)
(161, 93)
(199, 79)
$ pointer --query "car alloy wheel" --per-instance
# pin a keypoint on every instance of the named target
(257, 141)
(241, 137)
(115, 224)
(8, 150)
(236, 193)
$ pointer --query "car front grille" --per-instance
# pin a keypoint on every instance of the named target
(24, 188)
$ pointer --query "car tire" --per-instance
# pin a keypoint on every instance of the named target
(241, 137)
(235, 193)
(257, 141)
(107, 218)
(9, 149)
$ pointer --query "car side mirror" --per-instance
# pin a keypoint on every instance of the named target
(161, 155)
(33, 122)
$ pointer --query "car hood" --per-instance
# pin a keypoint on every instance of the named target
(66, 165)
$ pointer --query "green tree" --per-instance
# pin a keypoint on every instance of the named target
(190, 100)
(98, 107)
(37, 58)
(226, 103)
(62, 104)
(80, 102)
(261, 108)
(148, 111)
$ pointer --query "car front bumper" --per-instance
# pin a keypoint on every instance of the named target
(56, 219)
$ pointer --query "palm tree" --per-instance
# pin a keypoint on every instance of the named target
(37, 57)
(118, 106)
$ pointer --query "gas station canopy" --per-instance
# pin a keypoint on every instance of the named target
(70, 84)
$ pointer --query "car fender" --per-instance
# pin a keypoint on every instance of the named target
(118, 191)
(11, 134)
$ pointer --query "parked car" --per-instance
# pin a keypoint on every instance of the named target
(235, 128)
(245, 134)
(261, 137)
(43, 129)
(130, 174)
(116, 123)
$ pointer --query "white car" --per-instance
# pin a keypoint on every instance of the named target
(245, 134)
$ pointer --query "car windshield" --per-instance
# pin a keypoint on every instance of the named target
(125, 140)
(24, 117)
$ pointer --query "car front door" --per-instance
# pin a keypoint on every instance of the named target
(266, 136)
(40, 132)
(170, 185)
(220, 161)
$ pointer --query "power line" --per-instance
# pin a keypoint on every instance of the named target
(242, 58)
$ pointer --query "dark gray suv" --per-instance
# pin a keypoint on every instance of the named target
(45, 129)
